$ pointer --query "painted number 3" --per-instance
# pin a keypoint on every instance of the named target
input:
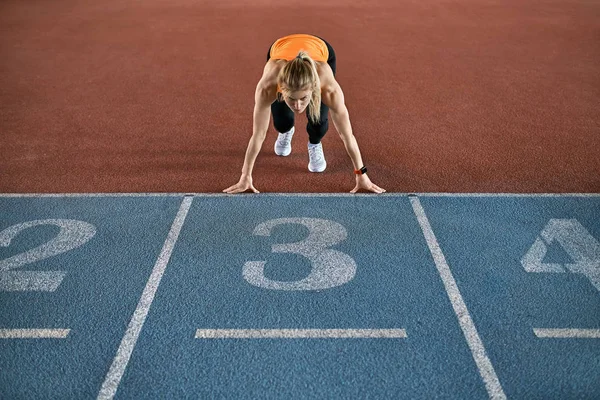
(330, 268)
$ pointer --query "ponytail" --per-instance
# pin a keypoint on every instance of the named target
(301, 74)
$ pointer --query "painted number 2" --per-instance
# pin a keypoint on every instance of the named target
(330, 268)
(72, 234)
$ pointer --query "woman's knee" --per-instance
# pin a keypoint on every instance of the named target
(283, 117)
(283, 126)
(316, 132)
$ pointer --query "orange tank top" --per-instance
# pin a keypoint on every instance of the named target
(287, 47)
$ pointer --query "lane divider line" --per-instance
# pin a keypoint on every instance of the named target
(34, 333)
(484, 365)
(300, 334)
(119, 364)
(567, 333)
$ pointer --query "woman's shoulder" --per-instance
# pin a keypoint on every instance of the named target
(326, 76)
(273, 67)
(270, 72)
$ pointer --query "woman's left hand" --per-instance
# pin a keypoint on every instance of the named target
(363, 182)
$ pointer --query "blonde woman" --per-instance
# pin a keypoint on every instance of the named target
(300, 75)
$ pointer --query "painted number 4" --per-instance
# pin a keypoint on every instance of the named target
(582, 247)
(330, 268)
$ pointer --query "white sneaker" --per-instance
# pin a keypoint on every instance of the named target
(316, 158)
(283, 144)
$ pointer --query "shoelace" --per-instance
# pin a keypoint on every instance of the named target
(285, 139)
(316, 152)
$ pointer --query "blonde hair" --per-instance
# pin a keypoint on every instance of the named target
(301, 74)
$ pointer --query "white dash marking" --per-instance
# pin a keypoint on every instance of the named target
(34, 333)
(566, 333)
(486, 369)
(300, 333)
(117, 369)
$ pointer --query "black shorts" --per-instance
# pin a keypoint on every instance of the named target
(330, 59)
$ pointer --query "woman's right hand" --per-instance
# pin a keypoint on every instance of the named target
(244, 184)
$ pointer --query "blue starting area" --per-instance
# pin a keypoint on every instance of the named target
(300, 296)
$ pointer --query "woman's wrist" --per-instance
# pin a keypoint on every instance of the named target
(361, 171)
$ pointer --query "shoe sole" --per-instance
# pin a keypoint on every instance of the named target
(317, 170)
(284, 154)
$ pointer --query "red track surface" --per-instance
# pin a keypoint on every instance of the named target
(157, 95)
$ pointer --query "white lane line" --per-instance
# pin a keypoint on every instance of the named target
(486, 369)
(34, 333)
(117, 369)
(507, 194)
(158, 194)
(243, 195)
(566, 333)
(387, 194)
(300, 333)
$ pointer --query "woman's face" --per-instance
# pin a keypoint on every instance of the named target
(297, 101)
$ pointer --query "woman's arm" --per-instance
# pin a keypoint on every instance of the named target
(334, 98)
(262, 108)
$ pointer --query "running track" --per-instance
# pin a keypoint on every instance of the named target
(489, 104)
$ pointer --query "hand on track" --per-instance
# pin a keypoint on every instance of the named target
(244, 184)
(363, 182)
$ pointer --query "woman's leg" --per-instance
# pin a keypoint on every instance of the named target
(317, 131)
(283, 116)
(331, 59)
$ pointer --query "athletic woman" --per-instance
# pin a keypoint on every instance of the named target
(300, 74)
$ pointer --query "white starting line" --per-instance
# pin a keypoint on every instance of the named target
(300, 333)
(543, 333)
